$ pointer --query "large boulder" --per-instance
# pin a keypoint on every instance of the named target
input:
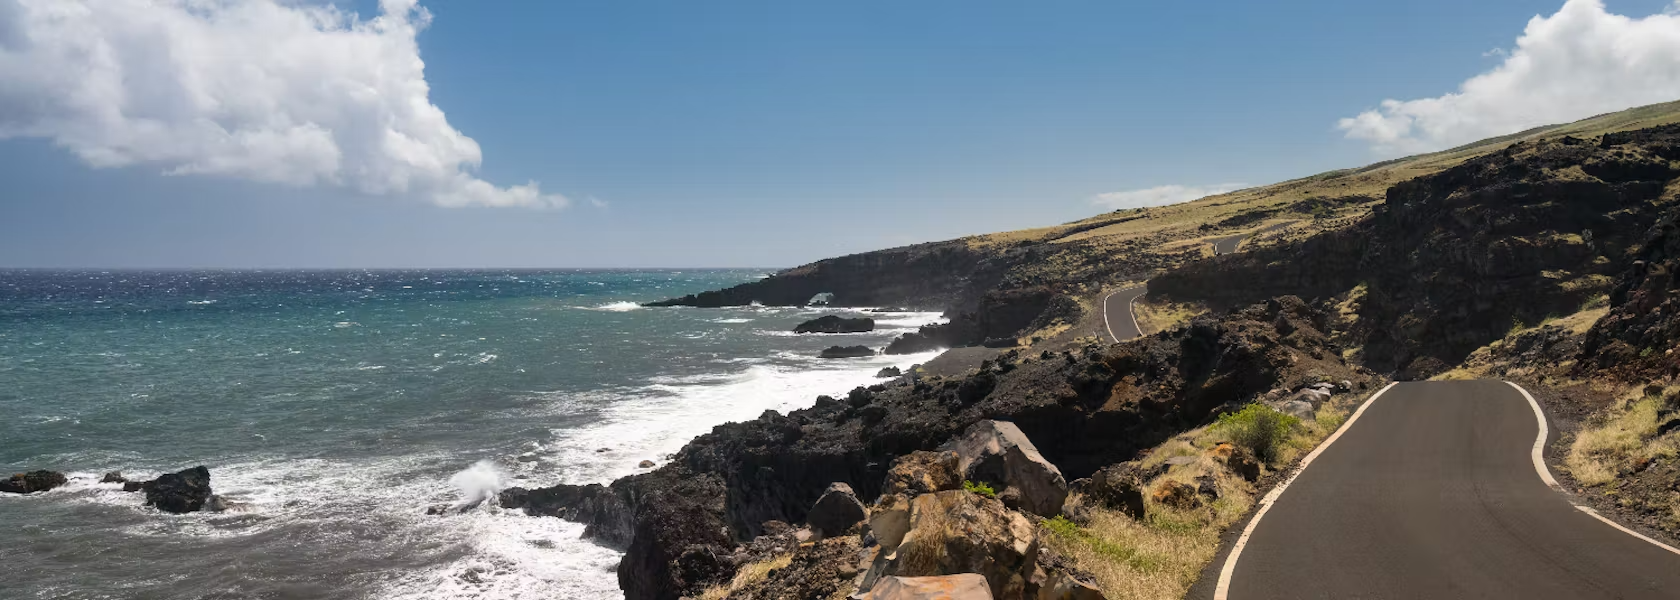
(836, 512)
(846, 352)
(997, 453)
(33, 481)
(955, 532)
(968, 586)
(834, 324)
(1119, 487)
(923, 472)
(180, 492)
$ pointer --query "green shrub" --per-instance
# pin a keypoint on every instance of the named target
(1063, 527)
(980, 488)
(1259, 429)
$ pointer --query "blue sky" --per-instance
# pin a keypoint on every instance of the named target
(766, 133)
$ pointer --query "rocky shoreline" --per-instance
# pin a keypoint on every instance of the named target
(684, 525)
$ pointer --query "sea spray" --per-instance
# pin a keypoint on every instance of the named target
(478, 484)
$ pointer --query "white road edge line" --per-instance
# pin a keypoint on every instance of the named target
(1222, 591)
(1131, 309)
(1106, 325)
(1537, 454)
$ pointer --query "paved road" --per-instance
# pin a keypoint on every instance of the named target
(1432, 493)
(1118, 319)
(1229, 244)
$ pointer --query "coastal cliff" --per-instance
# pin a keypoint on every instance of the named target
(1550, 260)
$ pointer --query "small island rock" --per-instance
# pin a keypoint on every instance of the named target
(33, 481)
(847, 352)
(834, 324)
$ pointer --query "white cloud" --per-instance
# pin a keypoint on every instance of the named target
(1160, 195)
(1581, 61)
(266, 90)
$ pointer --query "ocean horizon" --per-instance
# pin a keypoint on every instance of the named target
(335, 407)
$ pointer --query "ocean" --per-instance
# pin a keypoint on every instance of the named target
(337, 406)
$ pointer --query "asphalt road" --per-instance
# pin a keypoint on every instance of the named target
(1432, 493)
(1117, 313)
(1229, 244)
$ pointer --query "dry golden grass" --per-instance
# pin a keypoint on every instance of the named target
(748, 575)
(1157, 315)
(1626, 435)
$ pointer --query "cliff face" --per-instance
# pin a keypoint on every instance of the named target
(1452, 261)
(937, 275)
(1087, 408)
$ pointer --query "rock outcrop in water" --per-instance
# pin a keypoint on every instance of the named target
(33, 481)
(846, 352)
(836, 324)
(180, 492)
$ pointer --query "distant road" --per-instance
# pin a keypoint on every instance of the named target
(1433, 491)
(1118, 319)
(1229, 244)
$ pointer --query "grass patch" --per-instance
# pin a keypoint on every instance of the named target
(1627, 435)
(980, 488)
(749, 574)
(1155, 316)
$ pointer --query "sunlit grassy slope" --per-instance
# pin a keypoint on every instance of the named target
(1311, 203)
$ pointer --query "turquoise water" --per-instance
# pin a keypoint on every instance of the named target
(337, 406)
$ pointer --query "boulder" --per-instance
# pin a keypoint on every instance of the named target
(180, 492)
(1297, 408)
(968, 586)
(1237, 459)
(836, 512)
(645, 464)
(923, 472)
(834, 324)
(1177, 495)
(846, 352)
(889, 372)
(33, 481)
(955, 532)
(133, 486)
(1119, 486)
(113, 477)
(997, 453)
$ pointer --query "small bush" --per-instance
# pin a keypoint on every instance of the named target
(1258, 428)
(980, 488)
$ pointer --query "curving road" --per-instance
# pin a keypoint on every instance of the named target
(1434, 490)
(1118, 319)
(1230, 243)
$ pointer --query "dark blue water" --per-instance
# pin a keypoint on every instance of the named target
(336, 406)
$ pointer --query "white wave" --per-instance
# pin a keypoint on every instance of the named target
(730, 321)
(200, 302)
(667, 413)
(623, 306)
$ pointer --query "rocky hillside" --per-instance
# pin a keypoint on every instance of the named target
(1453, 261)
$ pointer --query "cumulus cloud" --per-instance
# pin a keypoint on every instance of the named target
(1161, 195)
(1581, 61)
(266, 90)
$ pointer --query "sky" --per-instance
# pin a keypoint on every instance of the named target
(463, 133)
